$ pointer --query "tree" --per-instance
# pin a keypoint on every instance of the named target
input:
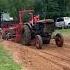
(47, 8)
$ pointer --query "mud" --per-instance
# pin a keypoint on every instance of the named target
(50, 57)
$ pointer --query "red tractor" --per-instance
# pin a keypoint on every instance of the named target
(34, 29)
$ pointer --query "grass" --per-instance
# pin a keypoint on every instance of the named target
(64, 32)
(6, 62)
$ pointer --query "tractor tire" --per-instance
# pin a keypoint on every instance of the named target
(4, 36)
(48, 42)
(59, 40)
(0, 36)
(38, 41)
(26, 35)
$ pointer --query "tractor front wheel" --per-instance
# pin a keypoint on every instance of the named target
(59, 40)
(38, 41)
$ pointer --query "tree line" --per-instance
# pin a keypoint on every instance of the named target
(46, 8)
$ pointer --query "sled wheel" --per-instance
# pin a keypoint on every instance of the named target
(38, 41)
(59, 40)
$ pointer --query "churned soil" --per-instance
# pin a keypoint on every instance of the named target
(50, 57)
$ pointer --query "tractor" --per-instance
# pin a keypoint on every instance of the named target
(34, 29)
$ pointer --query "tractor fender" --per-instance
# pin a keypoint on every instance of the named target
(29, 25)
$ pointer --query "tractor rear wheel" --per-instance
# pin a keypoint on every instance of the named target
(4, 36)
(26, 35)
(59, 40)
(48, 39)
(38, 41)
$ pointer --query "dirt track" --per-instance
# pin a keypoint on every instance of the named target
(48, 58)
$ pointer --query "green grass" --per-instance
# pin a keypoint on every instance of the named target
(64, 32)
(6, 62)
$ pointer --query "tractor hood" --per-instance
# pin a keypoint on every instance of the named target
(46, 21)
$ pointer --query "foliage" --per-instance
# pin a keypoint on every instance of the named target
(46, 8)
